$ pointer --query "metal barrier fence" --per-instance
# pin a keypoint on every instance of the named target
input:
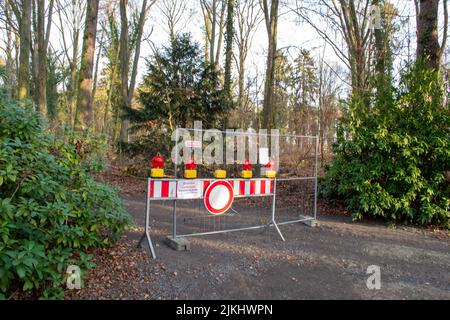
(258, 202)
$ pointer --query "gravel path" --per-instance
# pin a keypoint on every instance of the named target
(324, 262)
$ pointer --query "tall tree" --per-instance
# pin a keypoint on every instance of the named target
(305, 83)
(271, 19)
(24, 18)
(175, 14)
(70, 18)
(124, 54)
(427, 31)
(350, 20)
(10, 72)
(129, 82)
(83, 116)
(383, 29)
(229, 48)
(214, 24)
(42, 33)
(112, 73)
(248, 16)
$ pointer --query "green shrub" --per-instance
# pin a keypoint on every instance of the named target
(52, 212)
(391, 160)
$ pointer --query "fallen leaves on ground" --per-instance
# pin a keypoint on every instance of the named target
(120, 273)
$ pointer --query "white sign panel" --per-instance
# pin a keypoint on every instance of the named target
(263, 156)
(193, 144)
(189, 189)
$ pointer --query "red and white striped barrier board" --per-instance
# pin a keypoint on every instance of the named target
(167, 189)
(162, 189)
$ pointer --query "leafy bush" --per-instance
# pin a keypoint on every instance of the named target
(391, 160)
(52, 212)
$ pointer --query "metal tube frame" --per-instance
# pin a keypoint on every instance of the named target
(272, 219)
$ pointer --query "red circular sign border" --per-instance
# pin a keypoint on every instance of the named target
(208, 191)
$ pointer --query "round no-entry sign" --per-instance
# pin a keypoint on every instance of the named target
(218, 197)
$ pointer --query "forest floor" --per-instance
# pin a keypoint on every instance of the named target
(324, 262)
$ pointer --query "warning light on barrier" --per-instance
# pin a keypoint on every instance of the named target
(270, 170)
(190, 169)
(157, 170)
(247, 173)
(220, 174)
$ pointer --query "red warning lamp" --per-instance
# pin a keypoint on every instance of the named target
(190, 171)
(157, 166)
(247, 173)
(270, 169)
(247, 165)
(158, 162)
(270, 165)
(190, 164)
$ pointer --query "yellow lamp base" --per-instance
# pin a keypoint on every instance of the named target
(247, 174)
(190, 174)
(157, 173)
(220, 174)
(271, 174)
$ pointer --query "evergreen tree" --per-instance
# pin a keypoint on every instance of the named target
(179, 88)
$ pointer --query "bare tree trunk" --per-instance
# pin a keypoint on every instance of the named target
(124, 65)
(213, 32)
(112, 80)
(83, 116)
(128, 90)
(77, 13)
(207, 22)
(10, 74)
(94, 88)
(247, 15)
(229, 48)
(271, 19)
(43, 34)
(25, 44)
(220, 39)
(241, 85)
(445, 32)
(137, 50)
(427, 33)
(380, 62)
(212, 20)
(228, 57)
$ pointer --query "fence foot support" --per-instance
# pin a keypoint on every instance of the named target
(310, 223)
(178, 244)
(273, 223)
(150, 244)
(140, 241)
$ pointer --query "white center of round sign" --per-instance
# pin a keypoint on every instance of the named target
(218, 197)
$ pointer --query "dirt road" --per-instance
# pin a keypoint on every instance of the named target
(325, 262)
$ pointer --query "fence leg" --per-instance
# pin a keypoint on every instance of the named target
(174, 214)
(147, 228)
(316, 169)
(273, 209)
